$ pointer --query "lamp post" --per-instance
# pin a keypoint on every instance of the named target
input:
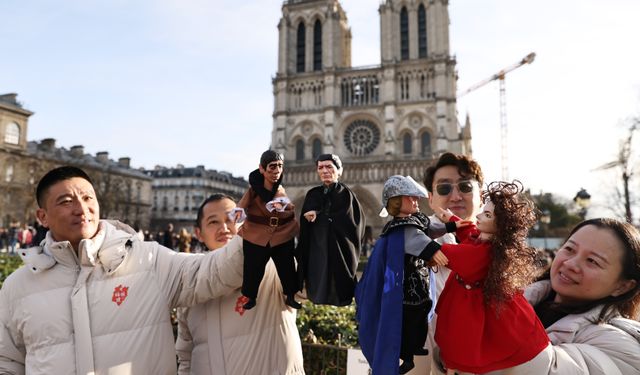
(582, 200)
(545, 219)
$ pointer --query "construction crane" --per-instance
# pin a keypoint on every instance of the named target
(503, 106)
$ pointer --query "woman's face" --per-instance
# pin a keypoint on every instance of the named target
(217, 228)
(588, 267)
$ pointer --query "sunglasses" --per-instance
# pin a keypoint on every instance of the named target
(464, 187)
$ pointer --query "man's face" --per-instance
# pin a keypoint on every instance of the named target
(463, 203)
(327, 172)
(70, 211)
(218, 225)
(273, 171)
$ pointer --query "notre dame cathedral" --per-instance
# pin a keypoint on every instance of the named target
(391, 118)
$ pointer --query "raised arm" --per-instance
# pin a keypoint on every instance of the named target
(189, 279)
(417, 243)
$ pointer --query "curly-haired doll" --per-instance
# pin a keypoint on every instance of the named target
(484, 322)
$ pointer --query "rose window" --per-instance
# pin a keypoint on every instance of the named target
(361, 137)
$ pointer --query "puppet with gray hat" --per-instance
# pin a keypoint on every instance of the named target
(392, 297)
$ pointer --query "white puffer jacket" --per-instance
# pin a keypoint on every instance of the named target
(107, 312)
(582, 347)
(220, 337)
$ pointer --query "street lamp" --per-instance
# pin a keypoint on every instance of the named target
(582, 200)
(545, 219)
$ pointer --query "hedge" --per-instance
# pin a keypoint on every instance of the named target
(8, 264)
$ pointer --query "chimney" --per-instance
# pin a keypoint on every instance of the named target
(9, 98)
(124, 162)
(77, 151)
(103, 157)
(48, 144)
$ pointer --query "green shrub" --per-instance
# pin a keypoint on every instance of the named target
(8, 264)
(324, 359)
(329, 325)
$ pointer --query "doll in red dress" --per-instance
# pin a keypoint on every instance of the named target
(484, 322)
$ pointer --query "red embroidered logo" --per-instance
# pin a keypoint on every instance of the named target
(120, 294)
(239, 303)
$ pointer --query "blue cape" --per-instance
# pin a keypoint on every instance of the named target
(379, 296)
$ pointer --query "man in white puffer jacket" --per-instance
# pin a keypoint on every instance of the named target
(92, 298)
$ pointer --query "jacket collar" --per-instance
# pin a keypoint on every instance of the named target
(565, 329)
(108, 248)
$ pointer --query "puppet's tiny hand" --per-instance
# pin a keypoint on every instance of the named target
(463, 223)
(443, 215)
(440, 259)
(310, 216)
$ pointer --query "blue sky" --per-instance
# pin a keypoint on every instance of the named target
(169, 81)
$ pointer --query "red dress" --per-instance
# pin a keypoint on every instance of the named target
(471, 337)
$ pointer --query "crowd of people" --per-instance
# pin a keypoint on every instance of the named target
(20, 236)
(94, 295)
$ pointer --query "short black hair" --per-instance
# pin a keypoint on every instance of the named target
(270, 156)
(335, 159)
(212, 198)
(56, 175)
(467, 168)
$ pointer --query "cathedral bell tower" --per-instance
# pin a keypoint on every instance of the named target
(391, 118)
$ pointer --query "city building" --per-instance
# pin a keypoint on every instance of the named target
(391, 118)
(124, 193)
(178, 193)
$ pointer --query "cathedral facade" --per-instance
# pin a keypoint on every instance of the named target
(391, 118)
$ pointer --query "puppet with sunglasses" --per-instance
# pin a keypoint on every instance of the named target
(393, 295)
(484, 322)
(269, 230)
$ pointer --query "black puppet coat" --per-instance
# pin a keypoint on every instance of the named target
(329, 248)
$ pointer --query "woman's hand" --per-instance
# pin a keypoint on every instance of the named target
(310, 216)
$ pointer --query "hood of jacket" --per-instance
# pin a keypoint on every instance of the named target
(256, 180)
(107, 248)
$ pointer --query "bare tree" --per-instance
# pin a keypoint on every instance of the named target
(625, 165)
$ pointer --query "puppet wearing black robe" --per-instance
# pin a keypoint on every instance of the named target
(329, 247)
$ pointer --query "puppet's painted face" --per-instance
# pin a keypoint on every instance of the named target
(487, 219)
(409, 205)
(273, 171)
(327, 172)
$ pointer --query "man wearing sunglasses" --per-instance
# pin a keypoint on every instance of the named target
(454, 182)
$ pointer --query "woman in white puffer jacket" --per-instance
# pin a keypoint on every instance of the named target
(220, 336)
(591, 303)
